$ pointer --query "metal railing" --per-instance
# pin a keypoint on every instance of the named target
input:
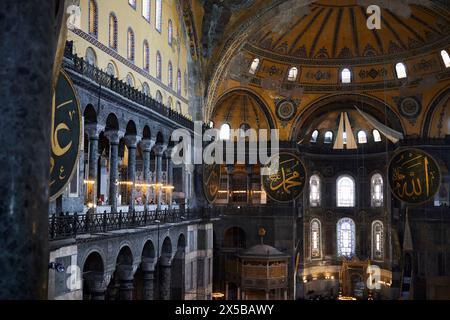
(120, 87)
(69, 226)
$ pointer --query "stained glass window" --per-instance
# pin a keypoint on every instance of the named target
(314, 191)
(345, 237)
(377, 190)
(315, 239)
(377, 240)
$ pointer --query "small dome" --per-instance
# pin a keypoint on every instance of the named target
(262, 250)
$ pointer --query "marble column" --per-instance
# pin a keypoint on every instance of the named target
(159, 151)
(114, 138)
(126, 276)
(146, 146)
(187, 178)
(93, 130)
(229, 169)
(249, 169)
(169, 176)
(165, 279)
(96, 285)
(26, 61)
(131, 143)
(148, 269)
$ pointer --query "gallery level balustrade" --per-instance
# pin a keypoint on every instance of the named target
(70, 225)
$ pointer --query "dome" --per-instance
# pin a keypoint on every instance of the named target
(262, 250)
(302, 35)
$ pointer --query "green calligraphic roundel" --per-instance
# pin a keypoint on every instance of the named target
(286, 177)
(414, 176)
(211, 181)
(65, 135)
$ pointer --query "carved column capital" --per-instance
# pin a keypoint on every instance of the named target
(147, 144)
(159, 149)
(131, 141)
(114, 136)
(93, 130)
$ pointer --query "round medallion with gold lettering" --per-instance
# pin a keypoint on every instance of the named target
(286, 179)
(414, 176)
(211, 181)
(65, 135)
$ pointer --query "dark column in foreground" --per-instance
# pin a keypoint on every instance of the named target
(27, 48)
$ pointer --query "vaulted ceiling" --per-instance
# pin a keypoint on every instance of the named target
(225, 36)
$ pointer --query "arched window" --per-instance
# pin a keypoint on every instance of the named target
(170, 75)
(314, 136)
(113, 31)
(225, 131)
(146, 53)
(445, 58)
(400, 68)
(314, 191)
(132, 3)
(362, 137)
(179, 81)
(111, 70)
(345, 237)
(328, 138)
(345, 191)
(243, 129)
(254, 66)
(170, 32)
(316, 239)
(377, 240)
(178, 107)
(293, 73)
(158, 65)
(346, 75)
(376, 190)
(158, 13)
(146, 9)
(91, 57)
(146, 89)
(376, 135)
(130, 80)
(130, 44)
(159, 96)
(93, 18)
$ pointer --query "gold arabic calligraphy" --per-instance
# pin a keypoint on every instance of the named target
(412, 177)
(286, 178)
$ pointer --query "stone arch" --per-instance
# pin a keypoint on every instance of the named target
(90, 115)
(146, 132)
(178, 270)
(439, 105)
(121, 284)
(93, 277)
(144, 277)
(131, 128)
(112, 123)
(164, 270)
(160, 138)
(234, 237)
